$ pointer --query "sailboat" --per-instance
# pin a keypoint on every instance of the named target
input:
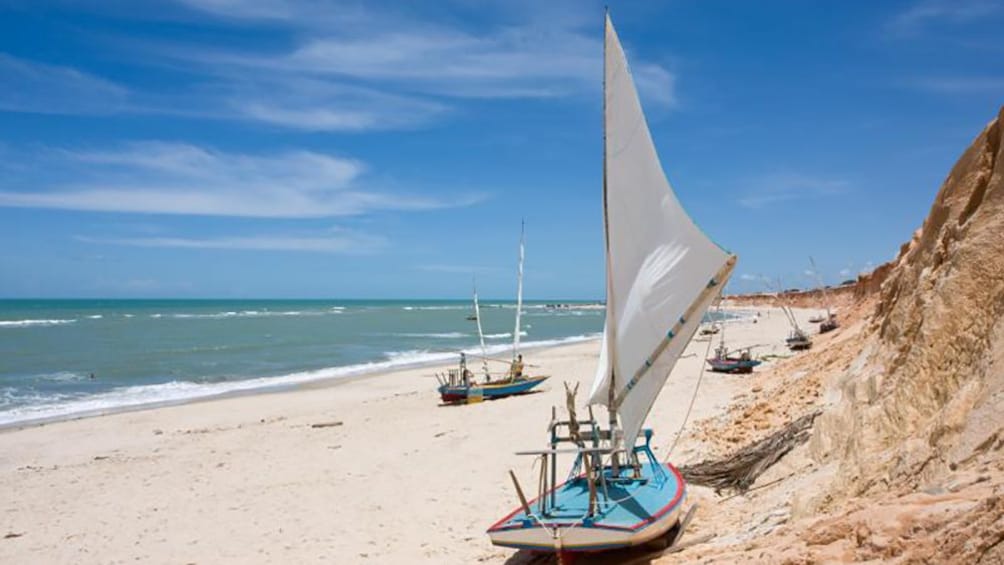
(797, 339)
(461, 385)
(726, 361)
(827, 323)
(662, 274)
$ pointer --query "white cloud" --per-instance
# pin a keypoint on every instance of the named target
(244, 9)
(458, 269)
(931, 12)
(408, 55)
(845, 272)
(342, 244)
(789, 186)
(749, 277)
(29, 86)
(319, 105)
(959, 84)
(344, 68)
(175, 178)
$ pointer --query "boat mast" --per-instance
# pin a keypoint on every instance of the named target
(481, 334)
(822, 287)
(519, 290)
(611, 318)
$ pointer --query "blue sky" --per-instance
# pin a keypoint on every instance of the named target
(239, 148)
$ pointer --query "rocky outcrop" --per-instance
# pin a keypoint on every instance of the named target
(925, 394)
(906, 461)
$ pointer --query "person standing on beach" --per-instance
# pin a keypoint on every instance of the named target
(465, 373)
(517, 367)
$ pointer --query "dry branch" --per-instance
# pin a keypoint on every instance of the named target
(741, 469)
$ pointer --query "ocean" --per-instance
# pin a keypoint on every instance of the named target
(66, 358)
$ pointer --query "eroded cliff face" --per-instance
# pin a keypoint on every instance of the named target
(906, 461)
(926, 393)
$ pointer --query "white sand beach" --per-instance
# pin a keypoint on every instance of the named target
(398, 479)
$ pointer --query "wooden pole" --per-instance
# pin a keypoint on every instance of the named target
(519, 493)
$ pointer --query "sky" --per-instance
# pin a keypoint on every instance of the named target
(306, 149)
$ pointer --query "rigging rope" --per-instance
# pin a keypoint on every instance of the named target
(693, 397)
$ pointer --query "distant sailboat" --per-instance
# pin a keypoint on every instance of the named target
(827, 323)
(662, 273)
(797, 338)
(461, 385)
(726, 361)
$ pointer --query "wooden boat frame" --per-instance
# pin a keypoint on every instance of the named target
(538, 530)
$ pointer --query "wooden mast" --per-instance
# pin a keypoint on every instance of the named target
(611, 318)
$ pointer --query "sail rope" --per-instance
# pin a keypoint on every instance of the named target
(693, 397)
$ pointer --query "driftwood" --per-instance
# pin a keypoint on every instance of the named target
(326, 424)
(741, 469)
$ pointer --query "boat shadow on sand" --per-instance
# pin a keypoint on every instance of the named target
(638, 555)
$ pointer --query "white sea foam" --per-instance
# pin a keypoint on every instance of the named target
(503, 335)
(444, 335)
(30, 323)
(58, 406)
(95, 317)
(250, 314)
(62, 377)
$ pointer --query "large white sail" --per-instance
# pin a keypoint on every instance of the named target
(519, 294)
(662, 271)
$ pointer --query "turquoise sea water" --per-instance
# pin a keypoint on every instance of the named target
(155, 351)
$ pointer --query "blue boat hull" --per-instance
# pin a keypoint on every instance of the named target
(733, 365)
(632, 511)
(489, 391)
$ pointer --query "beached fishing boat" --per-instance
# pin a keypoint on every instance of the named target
(472, 391)
(710, 329)
(461, 385)
(726, 361)
(662, 273)
(798, 340)
(827, 323)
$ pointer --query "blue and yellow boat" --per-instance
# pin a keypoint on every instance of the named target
(461, 393)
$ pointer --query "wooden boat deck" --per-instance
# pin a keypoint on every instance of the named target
(627, 504)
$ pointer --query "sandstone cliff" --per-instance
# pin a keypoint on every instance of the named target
(906, 461)
(920, 398)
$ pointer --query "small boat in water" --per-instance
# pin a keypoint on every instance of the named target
(662, 274)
